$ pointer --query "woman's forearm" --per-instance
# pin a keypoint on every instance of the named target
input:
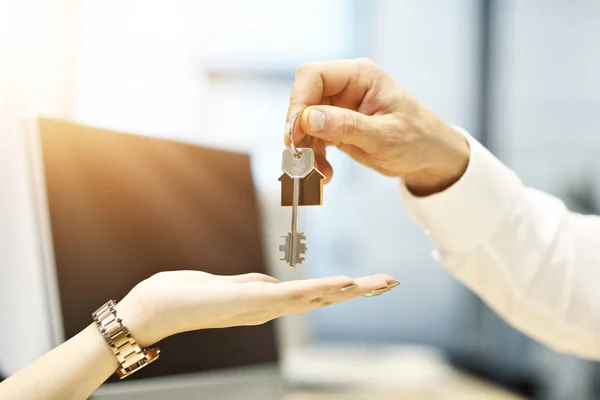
(73, 370)
(172, 302)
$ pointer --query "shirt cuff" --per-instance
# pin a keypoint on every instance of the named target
(469, 212)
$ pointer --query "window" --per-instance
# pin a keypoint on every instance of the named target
(250, 61)
(210, 72)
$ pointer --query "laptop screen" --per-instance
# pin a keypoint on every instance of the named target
(123, 207)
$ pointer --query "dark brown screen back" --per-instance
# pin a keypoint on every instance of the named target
(123, 207)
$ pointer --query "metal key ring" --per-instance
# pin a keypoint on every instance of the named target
(291, 125)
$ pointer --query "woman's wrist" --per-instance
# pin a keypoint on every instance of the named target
(138, 321)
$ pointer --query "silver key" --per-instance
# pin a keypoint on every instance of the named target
(297, 167)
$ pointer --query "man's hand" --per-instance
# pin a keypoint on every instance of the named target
(355, 106)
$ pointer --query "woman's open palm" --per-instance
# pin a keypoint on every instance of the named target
(178, 301)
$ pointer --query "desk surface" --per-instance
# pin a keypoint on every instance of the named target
(457, 387)
(383, 373)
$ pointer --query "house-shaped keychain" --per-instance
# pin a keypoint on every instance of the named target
(311, 189)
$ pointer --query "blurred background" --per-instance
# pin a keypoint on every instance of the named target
(520, 75)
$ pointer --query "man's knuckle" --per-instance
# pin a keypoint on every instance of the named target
(304, 68)
(349, 127)
(295, 103)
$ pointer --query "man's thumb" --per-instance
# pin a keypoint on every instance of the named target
(337, 125)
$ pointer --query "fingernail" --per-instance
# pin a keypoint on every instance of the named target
(377, 292)
(393, 284)
(372, 294)
(381, 290)
(349, 287)
(317, 120)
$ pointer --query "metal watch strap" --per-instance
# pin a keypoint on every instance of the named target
(129, 354)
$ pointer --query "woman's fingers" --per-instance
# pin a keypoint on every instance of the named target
(375, 285)
(305, 295)
(309, 287)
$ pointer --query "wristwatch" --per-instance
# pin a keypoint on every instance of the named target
(129, 354)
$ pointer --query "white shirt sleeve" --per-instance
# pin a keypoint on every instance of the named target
(534, 262)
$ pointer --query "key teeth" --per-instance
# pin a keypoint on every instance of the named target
(302, 248)
(299, 242)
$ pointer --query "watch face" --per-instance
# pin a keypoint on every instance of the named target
(124, 207)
